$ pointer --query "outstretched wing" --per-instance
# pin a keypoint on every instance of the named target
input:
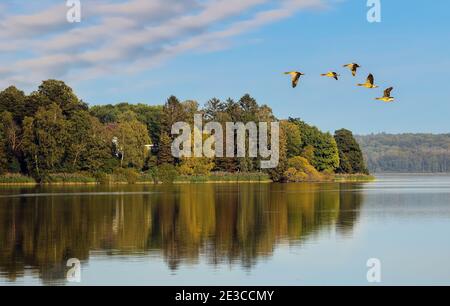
(354, 69)
(370, 79)
(335, 76)
(387, 92)
(295, 79)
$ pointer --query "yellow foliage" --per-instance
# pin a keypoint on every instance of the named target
(196, 166)
(191, 166)
(300, 170)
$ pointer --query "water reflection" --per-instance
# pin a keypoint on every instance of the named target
(222, 223)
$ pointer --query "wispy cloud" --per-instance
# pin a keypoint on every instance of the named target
(125, 36)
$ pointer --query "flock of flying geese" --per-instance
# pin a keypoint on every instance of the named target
(370, 82)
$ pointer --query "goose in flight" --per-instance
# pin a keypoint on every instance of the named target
(369, 82)
(331, 74)
(295, 76)
(353, 68)
(387, 96)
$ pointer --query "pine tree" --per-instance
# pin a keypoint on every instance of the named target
(165, 150)
(173, 111)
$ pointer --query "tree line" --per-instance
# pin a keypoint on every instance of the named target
(51, 130)
(408, 153)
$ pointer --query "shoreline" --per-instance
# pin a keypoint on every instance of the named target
(336, 179)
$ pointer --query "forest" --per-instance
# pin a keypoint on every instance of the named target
(407, 153)
(50, 135)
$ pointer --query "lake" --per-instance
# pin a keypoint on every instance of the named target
(229, 234)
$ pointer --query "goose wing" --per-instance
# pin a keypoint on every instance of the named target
(387, 92)
(295, 79)
(370, 79)
(295, 76)
(354, 69)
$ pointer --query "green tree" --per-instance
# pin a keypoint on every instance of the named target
(308, 153)
(165, 150)
(249, 107)
(148, 114)
(326, 155)
(190, 108)
(12, 141)
(13, 100)
(352, 160)
(79, 130)
(277, 174)
(213, 108)
(133, 139)
(53, 91)
(293, 139)
(3, 154)
(33, 102)
(44, 140)
(105, 113)
(99, 157)
(233, 110)
(173, 111)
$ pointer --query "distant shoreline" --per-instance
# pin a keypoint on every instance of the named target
(411, 173)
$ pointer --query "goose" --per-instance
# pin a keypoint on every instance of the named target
(331, 74)
(353, 68)
(387, 95)
(369, 82)
(295, 76)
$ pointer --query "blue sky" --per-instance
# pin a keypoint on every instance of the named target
(199, 49)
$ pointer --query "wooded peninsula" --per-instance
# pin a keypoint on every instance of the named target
(51, 136)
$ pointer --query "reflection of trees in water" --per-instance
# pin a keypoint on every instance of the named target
(222, 223)
(350, 204)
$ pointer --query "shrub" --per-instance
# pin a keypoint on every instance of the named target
(103, 178)
(196, 166)
(300, 170)
(166, 173)
(128, 175)
(293, 175)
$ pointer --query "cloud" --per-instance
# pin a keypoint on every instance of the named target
(25, 26)
(127, 35)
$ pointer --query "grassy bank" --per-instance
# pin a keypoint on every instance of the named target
(131, 177)
(16, 179)
(342, 178)
(225, 177)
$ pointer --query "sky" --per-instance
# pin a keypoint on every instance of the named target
(143, 51)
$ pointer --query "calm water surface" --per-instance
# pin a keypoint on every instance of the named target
(226, 234)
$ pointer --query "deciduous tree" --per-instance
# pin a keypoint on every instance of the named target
(133, 138)
(352, 160)
(44, 139)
